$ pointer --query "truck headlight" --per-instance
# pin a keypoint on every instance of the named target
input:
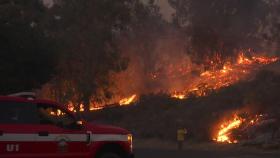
(129, 139)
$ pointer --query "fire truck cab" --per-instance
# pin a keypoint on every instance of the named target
(45, 129)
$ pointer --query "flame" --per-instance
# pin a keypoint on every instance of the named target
(226, 129)
(95, 106)
(70, 106)
(224, 134)
(56, 112)
(212, 79)
(98, 106)
(129, 100)
(264, 60)
(229, 74)
(177, 95)
(82, 107)
(242, 59)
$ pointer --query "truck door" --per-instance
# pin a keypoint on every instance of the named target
(59, 135)
(17, 135)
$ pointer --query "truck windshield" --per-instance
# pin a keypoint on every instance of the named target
(54, 116)
(17, 113)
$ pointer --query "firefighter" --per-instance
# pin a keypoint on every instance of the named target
(181, 134)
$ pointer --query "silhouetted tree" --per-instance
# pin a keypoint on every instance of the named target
(26, 56)
(87, 32)
(221, 26)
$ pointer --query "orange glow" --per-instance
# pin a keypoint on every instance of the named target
(242, 59)
(194, 80)
(178, 96)
(224, 133)
(70, 106)
(95, 108)
(129, 100)
(57, 113)
(230, 73)
(82, 107)
(264, 60)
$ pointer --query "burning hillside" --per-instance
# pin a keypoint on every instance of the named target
(246, 127)
(204, 82)
(227, 127)
(229, 74)
(207, 80)
(221, 116)
(127, 101)
(122, 63)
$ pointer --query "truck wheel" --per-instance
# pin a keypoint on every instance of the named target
(109, 155)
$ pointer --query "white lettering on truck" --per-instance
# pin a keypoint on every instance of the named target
(12, 148)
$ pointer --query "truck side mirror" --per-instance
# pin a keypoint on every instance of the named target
(78, 125)
(75, 125)
(80, 122)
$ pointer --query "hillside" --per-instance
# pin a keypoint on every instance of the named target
(153, 113)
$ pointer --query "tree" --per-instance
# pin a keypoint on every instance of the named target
(140, 44)
(221, 26)
(87, 32)
(27, 60)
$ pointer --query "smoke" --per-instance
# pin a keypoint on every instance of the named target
(158, 64)
(225, 25)
(48, 3)
(166, 58)
(165, 9)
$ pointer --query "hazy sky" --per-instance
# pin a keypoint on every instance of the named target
(166, 10)
(48, 3)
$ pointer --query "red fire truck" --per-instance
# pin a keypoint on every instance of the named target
(45, 129)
